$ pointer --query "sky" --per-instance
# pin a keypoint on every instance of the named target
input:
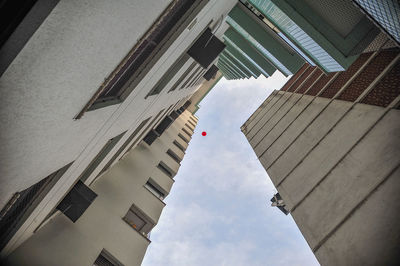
(218, 211)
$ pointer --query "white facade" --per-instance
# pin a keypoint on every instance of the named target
(58, 71)
(61, 242)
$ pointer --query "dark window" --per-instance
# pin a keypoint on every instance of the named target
(154, 189)
(196, 78)
(22, 204)
(193, 119)
(165, 169)
(187, 132)
(100, 157)
(193, 124)
(189, 127)
(123, 146)
(174, 115)
(183, 138)
(174, 156)
(151, 136)
(199, 78)
(106, 259)
(177, 144)
(186, 104)
(199, 74)
(165, 123)
(189, 79)
(139, 221)
(174, 20)
(206, 48)
(179, 81)
(77, 201)
(171, 72)
(211, 72)
(145, 131)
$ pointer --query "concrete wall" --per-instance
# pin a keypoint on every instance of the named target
(335, 164)
(198, 96)
(61, 242)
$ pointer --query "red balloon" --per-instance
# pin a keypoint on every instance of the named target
(203, 133)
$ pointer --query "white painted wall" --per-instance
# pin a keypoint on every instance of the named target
(54, 76)
(61, 242)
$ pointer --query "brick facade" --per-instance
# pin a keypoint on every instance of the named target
(344, 76)
(320, 84)
(301, 79)
(310, 81)
(386, 90)
(294, 77)
(368, 75)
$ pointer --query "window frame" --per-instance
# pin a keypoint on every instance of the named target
(183, 138)
(132, 80)
(180, 146)
(145, 230)
(166, 169)
(110, 258)
(174, 156)
(154, 189)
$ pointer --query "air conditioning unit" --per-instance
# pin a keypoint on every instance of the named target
(77, 201)
(151, 137)
(211, 72)
(165, 123)
(206, 48)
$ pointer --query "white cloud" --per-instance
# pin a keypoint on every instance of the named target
(218, 211)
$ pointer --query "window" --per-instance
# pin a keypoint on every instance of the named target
(193, 119)
(154, 189)
(177, 144)
(106, 259)
(189, 127)
(198, 74)
(174, 115)
(144, 131)
(171, 72)
(189, 79)
(164, 124)
(100, 157)
(139, 221)
(211, 72)
(174, 156)
(22, 204)
(174, 20)
(165, 169)
(152, 135)
(123, 146)
(186, 132)
(183, 138)
(193, 124)
(184, 75)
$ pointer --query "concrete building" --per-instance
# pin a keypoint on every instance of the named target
(128, 205)
(330, 144)
(86, 81)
